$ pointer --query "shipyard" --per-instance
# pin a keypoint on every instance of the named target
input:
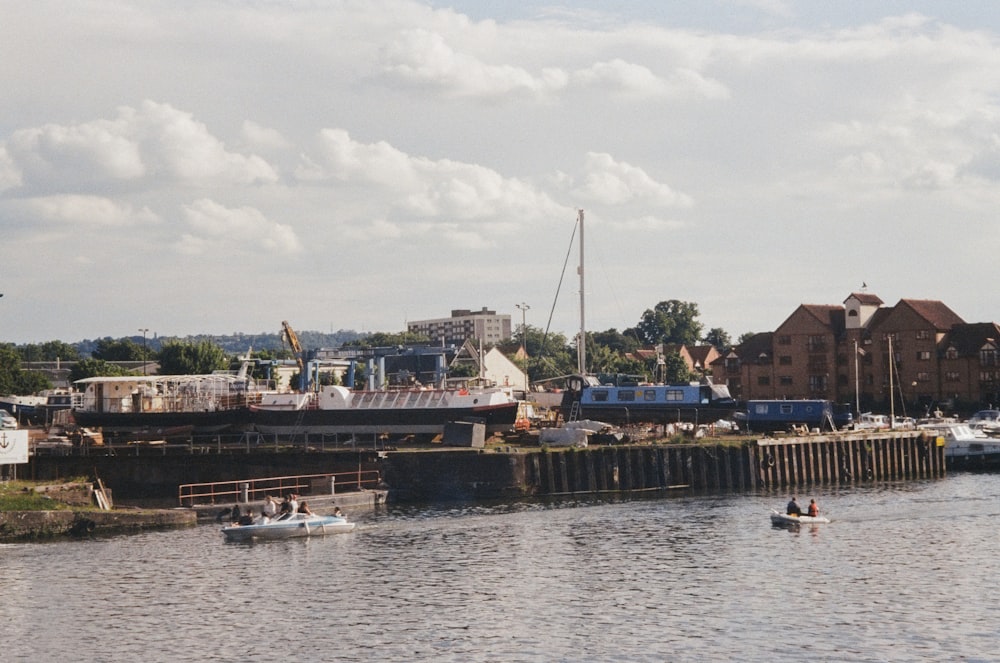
(458, 331)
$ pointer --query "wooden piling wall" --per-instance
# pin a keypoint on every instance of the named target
(765, 463)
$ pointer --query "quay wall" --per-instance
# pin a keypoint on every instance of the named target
(449, 474)
(156, 475)
(767, 463)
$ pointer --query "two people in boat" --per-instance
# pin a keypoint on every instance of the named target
(793, 509)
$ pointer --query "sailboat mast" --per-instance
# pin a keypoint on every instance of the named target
(581, 343)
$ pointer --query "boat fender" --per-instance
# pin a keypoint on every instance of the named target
(869, 474)
(768, 460)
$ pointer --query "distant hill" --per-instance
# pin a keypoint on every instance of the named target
(240, 343)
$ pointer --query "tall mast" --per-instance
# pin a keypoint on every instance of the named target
(581, 344)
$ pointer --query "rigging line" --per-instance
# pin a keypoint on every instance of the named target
(548, 325)
(611, 288)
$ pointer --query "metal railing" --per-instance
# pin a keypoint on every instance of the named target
(253, 490)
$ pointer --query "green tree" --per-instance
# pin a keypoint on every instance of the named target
(123, 349)
(670, 321)
(386, 339)
(48, 351)
(16, 381)
(90, 368)
(676, 370)
(615, 341)
(718, 337)
(203, 357)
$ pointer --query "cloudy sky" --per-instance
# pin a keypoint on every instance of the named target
(200, 166)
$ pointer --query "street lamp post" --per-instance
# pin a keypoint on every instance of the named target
(524, 326)
(524, 347)
(145, 356)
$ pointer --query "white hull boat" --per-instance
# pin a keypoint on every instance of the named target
(778, 518)
(288, 527)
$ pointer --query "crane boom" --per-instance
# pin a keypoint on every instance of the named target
(293, 341)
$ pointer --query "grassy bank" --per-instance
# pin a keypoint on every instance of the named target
(38, 496)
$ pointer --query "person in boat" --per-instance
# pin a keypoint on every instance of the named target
(304, 508)
(813, 509)
(293, 503)
(246, 518)
(337, 512)
(270, 506)
(793, 508)
(286, 506)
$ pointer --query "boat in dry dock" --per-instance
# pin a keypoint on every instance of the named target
(334, 409)
(136, 403)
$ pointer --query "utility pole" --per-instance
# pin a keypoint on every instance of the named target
(145, 354)
(524, 347)
(524, 326)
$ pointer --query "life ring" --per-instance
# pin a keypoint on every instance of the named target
(767, 461)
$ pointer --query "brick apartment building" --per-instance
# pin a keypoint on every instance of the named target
(841, 353)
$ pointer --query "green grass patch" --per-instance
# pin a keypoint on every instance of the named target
(20, 496)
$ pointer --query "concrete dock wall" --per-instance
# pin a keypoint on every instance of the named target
(424, 475)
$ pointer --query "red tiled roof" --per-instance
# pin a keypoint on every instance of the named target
(934, 312)
(866, 298)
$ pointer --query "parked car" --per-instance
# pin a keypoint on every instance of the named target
(7, 421)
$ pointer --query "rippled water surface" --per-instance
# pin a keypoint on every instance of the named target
(904, 572)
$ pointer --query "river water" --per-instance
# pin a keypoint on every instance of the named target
(904, 572)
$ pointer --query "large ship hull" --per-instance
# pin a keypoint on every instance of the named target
(147, 422)
(410, 421)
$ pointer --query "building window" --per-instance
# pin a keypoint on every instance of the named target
(785, 380)
(817, 383)
(923, 334)
(784, 340)
(952, 376)
(924, 355)
(923, 376)
(951, 353)
(816, 344)
(785, 360)
(988, 357)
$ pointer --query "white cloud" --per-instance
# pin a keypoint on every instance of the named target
(264, 138)
(88, 210)
(424, 58)
(424, 187)
(611, 182)
(10, 176)
(214, 226)
(153, 142)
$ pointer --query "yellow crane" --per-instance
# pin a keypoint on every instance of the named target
(293, 341)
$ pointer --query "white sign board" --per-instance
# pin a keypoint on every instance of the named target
(13, 447)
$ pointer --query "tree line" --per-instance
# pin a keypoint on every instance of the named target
(548, 355)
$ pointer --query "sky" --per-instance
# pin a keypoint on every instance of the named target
(213, 167)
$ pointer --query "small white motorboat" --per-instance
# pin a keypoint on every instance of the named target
(778, 518)
(288, 526)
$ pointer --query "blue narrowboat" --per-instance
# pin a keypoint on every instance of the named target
(774, 415)
(698, 402)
